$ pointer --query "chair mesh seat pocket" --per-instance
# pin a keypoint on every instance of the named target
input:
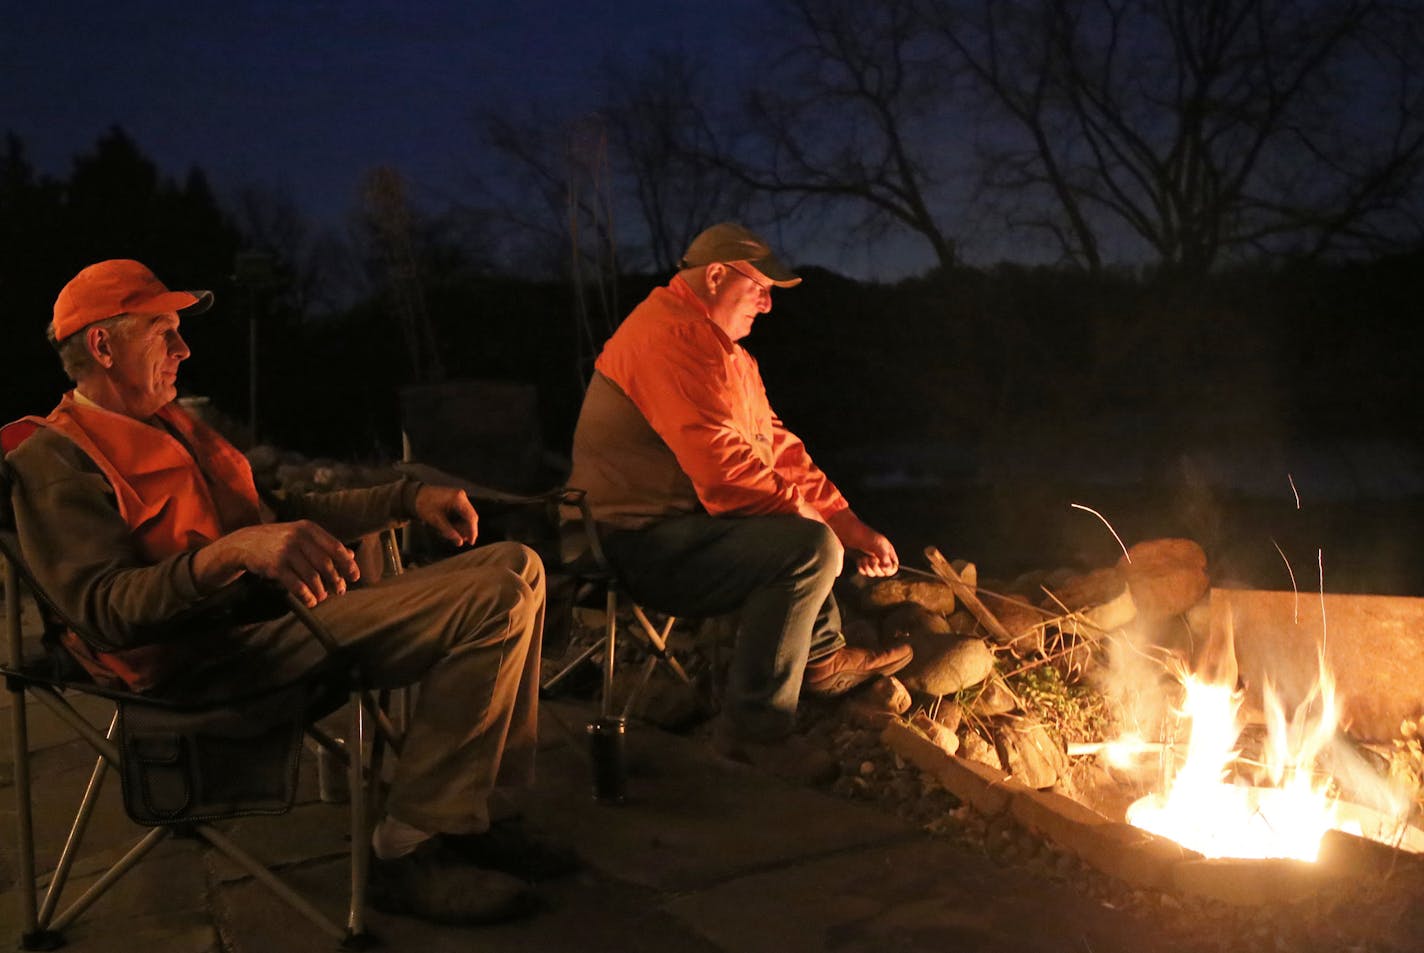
(180, 765)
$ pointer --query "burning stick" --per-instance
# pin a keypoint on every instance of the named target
(1324, 634)
(1078, 749)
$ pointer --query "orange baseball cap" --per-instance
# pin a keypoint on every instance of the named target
(114, 287)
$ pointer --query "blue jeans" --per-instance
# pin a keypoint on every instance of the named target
(776, 572)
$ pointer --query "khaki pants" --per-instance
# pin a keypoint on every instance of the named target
(466, 630)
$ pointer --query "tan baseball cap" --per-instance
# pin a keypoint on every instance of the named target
(114, 287)
(728, 242)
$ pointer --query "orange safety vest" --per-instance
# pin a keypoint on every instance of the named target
(175, 494)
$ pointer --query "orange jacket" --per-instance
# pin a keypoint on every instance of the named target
(175, 494)
(677, 417)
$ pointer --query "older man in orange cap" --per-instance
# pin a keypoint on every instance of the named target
(135, 514)
(708, 504)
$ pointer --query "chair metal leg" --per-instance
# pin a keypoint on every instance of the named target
(111, 876)
(610, 650)
(360, 822)
(381, 721)
(66, 712)
(564, 672)
(77, 830)
(32, 937)
(260, 873)
(375, 795)
(658, 641)
(648, 665)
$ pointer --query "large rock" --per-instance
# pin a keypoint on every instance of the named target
(882, 701)
(1101, 598)
(976, 749)
(1372, 646)
(949, 714)
(944, 739)
(912, 621)
(887, 692)
(1084, 591)
(1166, 576)
(884, 593)
(1028, 752)
(962, 622)
(946, 664)
(994, 698)
(1024, 624)
(1113, 614)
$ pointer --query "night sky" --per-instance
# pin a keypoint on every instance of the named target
(305, 95)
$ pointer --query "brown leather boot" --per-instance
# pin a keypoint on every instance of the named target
(848, 667)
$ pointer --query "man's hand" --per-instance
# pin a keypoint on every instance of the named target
(876, 557)
(302, 557)
(449, 512)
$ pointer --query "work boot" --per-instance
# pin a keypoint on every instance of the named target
(850, 666)
(433, 883)
(792, 758)
(510, 847)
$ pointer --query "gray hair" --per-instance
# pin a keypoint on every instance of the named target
(73, 351)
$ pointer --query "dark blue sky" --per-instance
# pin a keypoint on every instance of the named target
(308, 95)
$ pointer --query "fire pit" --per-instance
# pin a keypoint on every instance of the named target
(1280, 803)
(1262, 809)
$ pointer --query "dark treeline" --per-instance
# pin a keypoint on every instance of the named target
(1002, 394)
(976, 358)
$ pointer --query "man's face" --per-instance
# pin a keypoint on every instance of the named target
(739, 293)
(146, 352)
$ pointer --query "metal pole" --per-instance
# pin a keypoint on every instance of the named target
(19, 738)
(252, 361)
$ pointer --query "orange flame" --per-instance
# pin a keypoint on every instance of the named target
(1207, 806)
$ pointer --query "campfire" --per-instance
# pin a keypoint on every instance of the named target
(1214, 800)
(1221, 805)
(1229, 750)
(1254, 744)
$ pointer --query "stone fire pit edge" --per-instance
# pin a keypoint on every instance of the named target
(1130, 854)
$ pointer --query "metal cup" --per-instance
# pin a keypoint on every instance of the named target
(607, 743)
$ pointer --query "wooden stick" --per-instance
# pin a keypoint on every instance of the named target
(966, 595)
(1077, 749)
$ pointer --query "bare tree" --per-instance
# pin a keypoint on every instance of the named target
(558, 192)
(1201, 127)
(312, 264)
(389, 216)
(850, 114)
(659, 130)
(524, 187)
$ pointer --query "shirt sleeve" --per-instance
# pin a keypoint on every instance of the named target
(691, 403)
(353, 513)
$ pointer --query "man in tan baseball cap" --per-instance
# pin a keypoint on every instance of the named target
(729, 242)
(708, 505)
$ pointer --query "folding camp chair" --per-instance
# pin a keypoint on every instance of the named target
(577, 553)
(182, 766)
(583, 557)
